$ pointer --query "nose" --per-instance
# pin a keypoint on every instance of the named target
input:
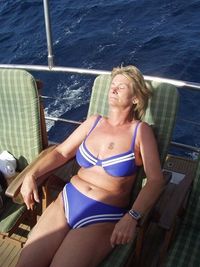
(114, 89)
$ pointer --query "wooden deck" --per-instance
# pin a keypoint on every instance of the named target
(10, 250)
(9, 253)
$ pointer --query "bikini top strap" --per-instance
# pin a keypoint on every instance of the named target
(94, 125)
(134, 135)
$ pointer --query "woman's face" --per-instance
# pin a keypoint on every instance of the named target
(121, 91)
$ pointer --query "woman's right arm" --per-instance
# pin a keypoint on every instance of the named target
(55, 158)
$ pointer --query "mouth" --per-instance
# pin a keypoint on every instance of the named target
(113, 97)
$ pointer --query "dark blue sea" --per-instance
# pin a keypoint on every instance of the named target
(160, 37)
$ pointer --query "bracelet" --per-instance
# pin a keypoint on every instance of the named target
(135, 215)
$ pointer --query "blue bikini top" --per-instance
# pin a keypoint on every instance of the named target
(119, 165)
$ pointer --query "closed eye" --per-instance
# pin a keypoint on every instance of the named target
(119, 87)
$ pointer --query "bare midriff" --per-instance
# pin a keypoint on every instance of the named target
(95, 183)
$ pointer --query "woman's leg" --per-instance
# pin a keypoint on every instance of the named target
(85, 247)
(45, 237)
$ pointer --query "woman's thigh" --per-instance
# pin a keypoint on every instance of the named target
(85, 247)
(46, 236)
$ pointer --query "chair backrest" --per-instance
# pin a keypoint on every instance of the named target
(184, 250)
(21, 115)
(192, 216)
(160, 114)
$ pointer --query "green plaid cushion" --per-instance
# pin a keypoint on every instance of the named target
(20, 131)
(10, 215)
(192, 216)
(99, 96)
(119, 256)
(161, 114)
(185, 249)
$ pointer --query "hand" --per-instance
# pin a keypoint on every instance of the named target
(124, 231)
(29, 191)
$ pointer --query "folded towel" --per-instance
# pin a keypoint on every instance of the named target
(5, 155)
(7, 164)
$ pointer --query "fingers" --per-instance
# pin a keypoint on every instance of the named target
(36, 195)
(113, 239)
(29, 192)
(31, 204)
(28, 200)
(119, 238)
(116, 238)
(124, 231)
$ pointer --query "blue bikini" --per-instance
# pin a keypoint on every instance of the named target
(119, 165)
(81, 210)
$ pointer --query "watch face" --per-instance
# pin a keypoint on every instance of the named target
(136, 215)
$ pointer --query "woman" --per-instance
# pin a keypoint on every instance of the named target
(90, 216)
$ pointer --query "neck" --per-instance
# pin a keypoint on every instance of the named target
(119, 117)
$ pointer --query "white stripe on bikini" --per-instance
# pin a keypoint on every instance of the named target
(86, 155)
(66, 204)
(118, 160)
(106, 162)
(98, 218)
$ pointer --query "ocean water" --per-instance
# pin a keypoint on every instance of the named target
(160, 37)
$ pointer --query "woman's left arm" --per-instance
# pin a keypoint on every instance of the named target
(150, 157)
(146, 144)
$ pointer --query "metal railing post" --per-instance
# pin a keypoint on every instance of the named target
(48, 34)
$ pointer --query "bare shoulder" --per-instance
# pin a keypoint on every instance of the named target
(89, 122)
(145, 126)
(76, 138)
(145, 134)
(145, 129)
(86, 125)
(92, 118)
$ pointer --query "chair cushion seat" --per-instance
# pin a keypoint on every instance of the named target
(11, 214)
(185, 250)
(119, 256)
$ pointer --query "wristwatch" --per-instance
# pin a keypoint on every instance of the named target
(135, 214)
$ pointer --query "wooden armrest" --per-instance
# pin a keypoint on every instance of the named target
(175, 202)
(14, 187)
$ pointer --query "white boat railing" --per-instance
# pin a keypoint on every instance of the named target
(178, 83)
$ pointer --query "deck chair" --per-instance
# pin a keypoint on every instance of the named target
(22, 133)
(184, 250)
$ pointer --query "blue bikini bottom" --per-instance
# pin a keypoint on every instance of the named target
(81, 210)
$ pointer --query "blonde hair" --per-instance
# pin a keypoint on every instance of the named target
(140, 89)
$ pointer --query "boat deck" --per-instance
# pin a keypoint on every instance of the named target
(9, 253)
(10, 250)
